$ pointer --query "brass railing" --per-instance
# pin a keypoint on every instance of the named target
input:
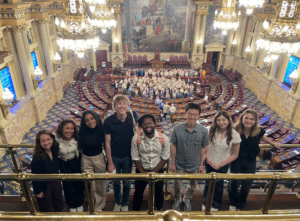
(150, 214)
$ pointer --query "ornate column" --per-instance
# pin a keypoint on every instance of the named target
(51, 46)
(202, 33)
(241, 35)
(45, 45)
(258, 28)
(119, 32)
(94, 60)
(196, 33)
(186, 41)
(17, 30)
(261, 56)
(64, 56)
(113, 44)
(274, 68)
(28, 52)
(229, 42)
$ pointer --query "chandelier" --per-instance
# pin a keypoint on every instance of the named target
(102, 16)
(251, 4)
(227, 19)
(74, 32)
(282, 35)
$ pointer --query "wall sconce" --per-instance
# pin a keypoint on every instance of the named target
(199, 43)
(233, 46)
(116, 41)
(249, 55)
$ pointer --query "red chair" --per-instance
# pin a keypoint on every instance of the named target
(140, 60)
(145, 61)
(134, 59)
(130, 59)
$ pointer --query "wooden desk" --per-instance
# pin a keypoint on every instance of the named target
(157, 64)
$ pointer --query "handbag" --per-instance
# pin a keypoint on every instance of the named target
(134, 123)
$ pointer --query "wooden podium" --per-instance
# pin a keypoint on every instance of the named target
(157, 64)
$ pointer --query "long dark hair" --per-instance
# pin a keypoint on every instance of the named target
(39, 152)
(60, 127)
(83, 127)
(214, 127)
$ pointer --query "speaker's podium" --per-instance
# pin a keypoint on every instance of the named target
(157, 63)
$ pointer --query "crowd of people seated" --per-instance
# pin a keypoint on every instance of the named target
(129, 138)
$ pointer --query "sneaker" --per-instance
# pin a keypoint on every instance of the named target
(73, 210)
(187, 205)
(124, 208)
(212, 209)
(79, 209)
(117, 208)
(232, 208)
(176, 205)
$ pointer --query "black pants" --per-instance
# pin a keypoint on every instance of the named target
(53, 199)
(140, 186)
(74, 190)
(240, 165)
(165, 115)
(218, 195)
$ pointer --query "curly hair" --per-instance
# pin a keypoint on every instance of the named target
(60, 127)
(214, 127)
(83, 127)
(39, 152)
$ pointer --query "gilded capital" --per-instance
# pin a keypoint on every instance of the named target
(18, 28)
(42, 21)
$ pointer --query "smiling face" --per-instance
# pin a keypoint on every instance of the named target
(90, 121)
(46, 141)
(248, 121)
(192, 115)
(148, 126)
(121, 107)
(222, 122)
(68, 131)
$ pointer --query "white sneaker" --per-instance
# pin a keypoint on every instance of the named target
(79, 209)
(232, 208)
(117, 208)
(73, 210)
(212, 209)
(124, 208)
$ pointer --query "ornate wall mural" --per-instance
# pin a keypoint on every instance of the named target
(156, 24)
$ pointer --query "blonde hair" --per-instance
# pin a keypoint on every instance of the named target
(239, 126)
(120, 97)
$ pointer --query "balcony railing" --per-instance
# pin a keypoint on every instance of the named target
(150, 214)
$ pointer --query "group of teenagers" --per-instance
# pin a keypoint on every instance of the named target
(149, 88)
(126, 138)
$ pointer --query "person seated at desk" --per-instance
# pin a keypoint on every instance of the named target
(220, 103)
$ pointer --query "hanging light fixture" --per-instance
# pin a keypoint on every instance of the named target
(102, 15)
(227, 19)
(57, 57)
(74, 31)
(251, 4)
(282, 35)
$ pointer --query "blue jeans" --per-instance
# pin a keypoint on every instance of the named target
(123, 165)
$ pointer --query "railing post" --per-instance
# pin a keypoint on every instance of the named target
(151, 194)
(270, 193)
(167, 193)
(90, 193)
(13, 158)
(210, 193)
(27, 194)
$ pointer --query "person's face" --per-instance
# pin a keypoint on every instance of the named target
(90, 121)
(148, 126)
(121, 107)
(192, 115)
(222, 122)
(248, 121)
(68, 131)
(46, 141)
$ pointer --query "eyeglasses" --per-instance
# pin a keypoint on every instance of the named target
(192, 115)
(148, 124)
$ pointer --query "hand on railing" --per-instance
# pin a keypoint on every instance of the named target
(111, 167)
(173, 168)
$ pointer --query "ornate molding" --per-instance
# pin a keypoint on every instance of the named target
(18, 28)
(42, 21)
(3, 44)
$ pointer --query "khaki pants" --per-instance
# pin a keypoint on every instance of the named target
(178, 186)
(96, 164)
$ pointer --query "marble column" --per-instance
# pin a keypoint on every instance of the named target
(46, 47)
(246, 44)
(274, 68)
(229, 42)
(186, 41)
(94, 59)
(241, 36)
(196, 33)
(261, 56)
(113, 44)
(28, 53)
(119, 32)
(51, 47)
(64, 56)
(258, 29)
(23, 60)
(202, 33)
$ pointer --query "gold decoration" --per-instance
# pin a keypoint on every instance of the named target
(32, 35)
(3, 44)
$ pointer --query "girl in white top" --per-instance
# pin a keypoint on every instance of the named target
(223, 149)
(69, 162)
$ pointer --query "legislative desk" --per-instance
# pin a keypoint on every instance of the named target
(237, 111)
(94, 101)
(157, 64)
(88, 74)
(271, 131)
(285, 158)
(264, 120)
(109, 91)
(102, 97)
(87, 107)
